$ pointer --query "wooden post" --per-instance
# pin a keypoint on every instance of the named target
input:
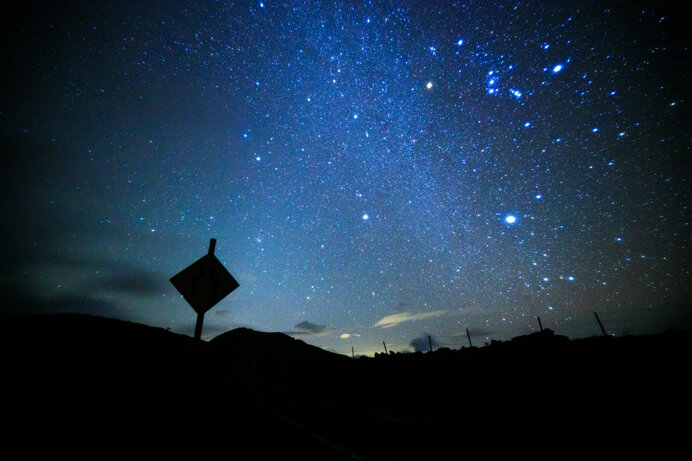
(198, 326)
(200, 316)
(353, 354)
(540, 325)
(430, 343)
(385, 348)
(600, 324)
(468, 335)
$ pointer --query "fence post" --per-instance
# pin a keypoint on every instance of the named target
(600, 324)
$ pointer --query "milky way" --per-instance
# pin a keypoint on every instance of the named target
(372, 171)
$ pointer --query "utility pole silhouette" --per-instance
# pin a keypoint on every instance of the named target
(430, 343)
(600, 324)
(468, 335)
(353, 354)
(540, 325)
(385, 348)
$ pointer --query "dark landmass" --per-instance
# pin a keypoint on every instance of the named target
(90, 386)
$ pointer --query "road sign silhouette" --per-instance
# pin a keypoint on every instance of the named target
(203, 284)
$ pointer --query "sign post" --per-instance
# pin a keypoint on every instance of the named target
(203, 284)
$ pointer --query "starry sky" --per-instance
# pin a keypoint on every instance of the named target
(372, 171)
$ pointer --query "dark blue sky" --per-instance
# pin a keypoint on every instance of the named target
(372, 172)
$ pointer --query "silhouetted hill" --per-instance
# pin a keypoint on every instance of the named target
(69, 329)
(116, 383)
(270, 350)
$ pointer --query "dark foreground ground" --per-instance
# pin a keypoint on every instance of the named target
(90, 387)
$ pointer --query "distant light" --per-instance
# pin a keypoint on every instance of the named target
(460, 42)
(595, 130)
(570, 278)
(527, 124)
(365, 217)
(261, 5)
(429, 85)
(539, 196)
(621, 134)
(618, 239)
(510, 219)
(557, 68)
(355, 116)
(612, 93)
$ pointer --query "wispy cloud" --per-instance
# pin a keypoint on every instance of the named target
(349, 335)
(395, 319)
(306, 328)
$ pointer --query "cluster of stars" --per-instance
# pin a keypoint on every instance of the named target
(361, 161)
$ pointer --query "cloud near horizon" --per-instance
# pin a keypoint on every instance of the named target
(349, 335)
(306, 328)
(395, 319)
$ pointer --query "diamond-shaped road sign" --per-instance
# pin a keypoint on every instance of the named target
(204, 283)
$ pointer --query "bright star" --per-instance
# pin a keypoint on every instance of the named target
(557, 68)
(429, 85)
(510, 219)
(365, 217)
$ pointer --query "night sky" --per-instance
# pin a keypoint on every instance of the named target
(373, 171)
